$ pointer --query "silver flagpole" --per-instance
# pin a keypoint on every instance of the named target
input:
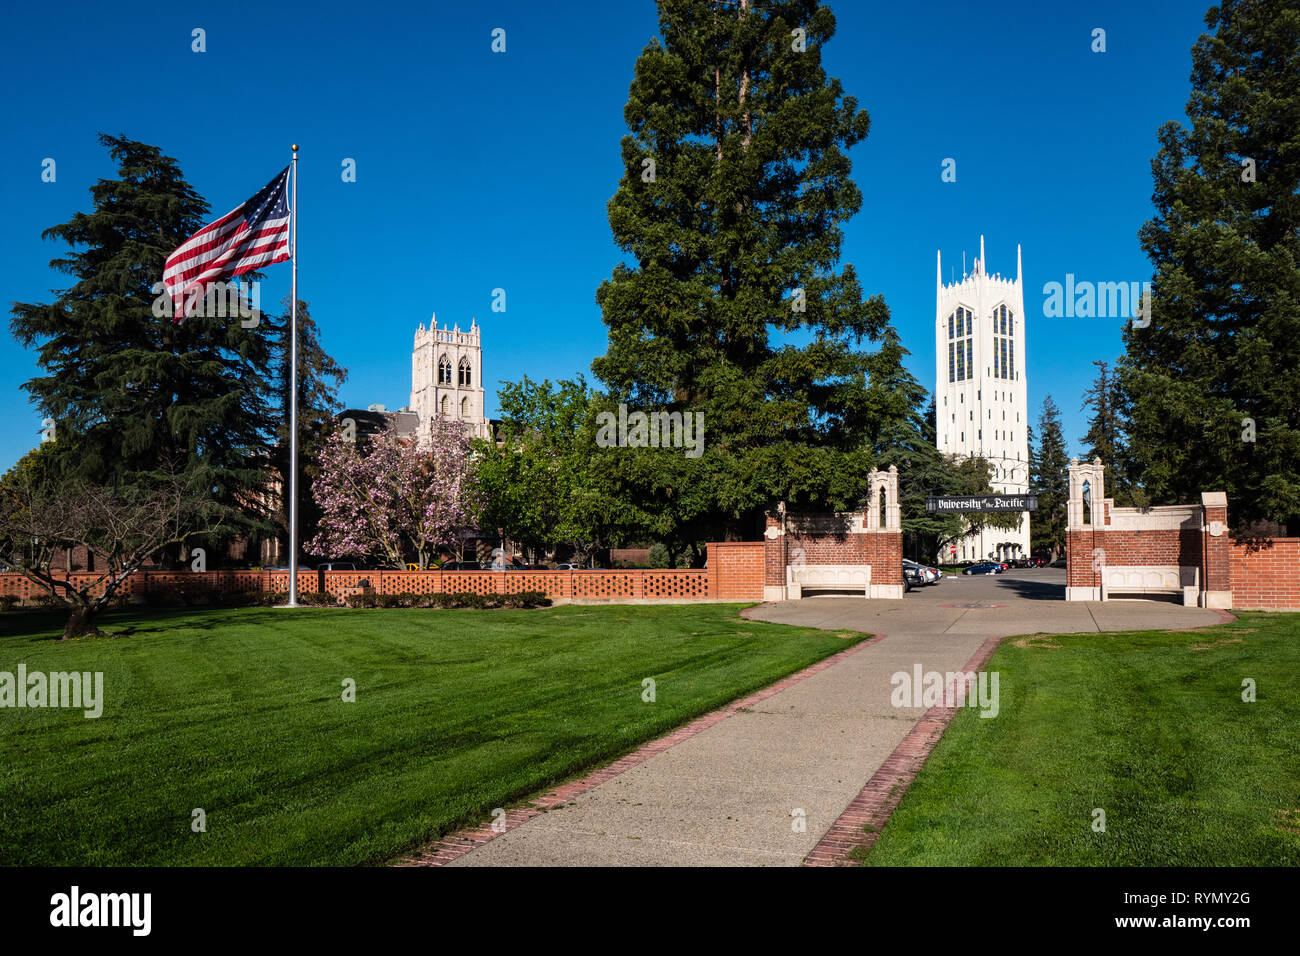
(293, 388)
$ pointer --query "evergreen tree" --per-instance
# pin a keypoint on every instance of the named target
(127, 389)
(1212, 380)
(1049, 478)
(735, 187)
(1106, 437)
(319, 378)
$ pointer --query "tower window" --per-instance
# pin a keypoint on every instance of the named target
(444, 371)
(465, 375)
(961, 366)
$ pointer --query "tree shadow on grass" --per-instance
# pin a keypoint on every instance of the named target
(46, 624)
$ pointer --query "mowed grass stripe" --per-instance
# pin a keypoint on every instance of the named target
(238, 711)
(1148, 726)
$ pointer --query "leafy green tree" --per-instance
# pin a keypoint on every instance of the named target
(735, 186)
(541, 479)
(126, 388)
(1049, 478)
(1212, 380)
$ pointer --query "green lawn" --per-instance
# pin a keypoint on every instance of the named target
(239, 712)
(1149, 727)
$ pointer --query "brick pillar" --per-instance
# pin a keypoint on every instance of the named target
(774, 557)
(1085, 541)
(1216, 551)
(885, 544)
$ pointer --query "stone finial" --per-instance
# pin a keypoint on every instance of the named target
(1074, 460)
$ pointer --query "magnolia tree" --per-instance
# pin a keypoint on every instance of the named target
(389, 497)
(42, 519)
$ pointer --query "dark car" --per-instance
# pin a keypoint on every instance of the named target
(462, 566)
(987, 567)
(338, 566)
(912, 578)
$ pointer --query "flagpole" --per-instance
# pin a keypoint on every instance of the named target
(293, 388)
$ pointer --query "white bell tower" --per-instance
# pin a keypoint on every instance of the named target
(980, 394)
(447, 378)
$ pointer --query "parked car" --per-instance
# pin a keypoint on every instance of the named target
(338, 566)
(985, 567)
(1059, 562)
(569, 567)
(462, 566)
(927, 575)
(911, 578)
(301, 567)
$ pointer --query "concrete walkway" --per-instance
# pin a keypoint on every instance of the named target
(735, 793)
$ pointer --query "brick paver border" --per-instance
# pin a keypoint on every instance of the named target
(457, 844)
(878, 799)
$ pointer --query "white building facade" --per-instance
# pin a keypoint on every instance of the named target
(447, 378)
(981, 396)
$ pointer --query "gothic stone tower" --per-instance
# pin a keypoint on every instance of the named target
(981, 398)
(447, 377)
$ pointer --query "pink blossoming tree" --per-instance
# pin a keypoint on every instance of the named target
(385, 498)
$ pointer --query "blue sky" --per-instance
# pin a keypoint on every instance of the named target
(478, 170)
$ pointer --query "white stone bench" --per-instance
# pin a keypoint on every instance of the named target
(1152, 579)
(827, 577)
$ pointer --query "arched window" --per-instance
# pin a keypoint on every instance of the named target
(1087, 503)
(446, 402)
(961, 360)
(884, 520)
(464, 408)
(444, 371)
(465, 372)
(1004, 349)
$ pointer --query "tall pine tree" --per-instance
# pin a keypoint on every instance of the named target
(1212, 380)
(1049, 478)
(735, 187)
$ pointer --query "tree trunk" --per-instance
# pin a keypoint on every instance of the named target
(81, 623)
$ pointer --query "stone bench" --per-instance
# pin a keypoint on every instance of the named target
(827, 577)
(1152, 579)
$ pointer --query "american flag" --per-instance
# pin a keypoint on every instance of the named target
(253, 235)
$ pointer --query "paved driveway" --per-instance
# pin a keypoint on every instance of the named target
(763, 786)
(1015, 602)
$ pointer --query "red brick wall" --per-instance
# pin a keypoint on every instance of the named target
(882, 550)
(1265, 574)
(735, 573)
(736, 570)
(1174, 546)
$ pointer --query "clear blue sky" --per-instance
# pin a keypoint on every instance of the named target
(478, 170)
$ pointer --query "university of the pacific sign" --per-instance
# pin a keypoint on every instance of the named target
(952, 504)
